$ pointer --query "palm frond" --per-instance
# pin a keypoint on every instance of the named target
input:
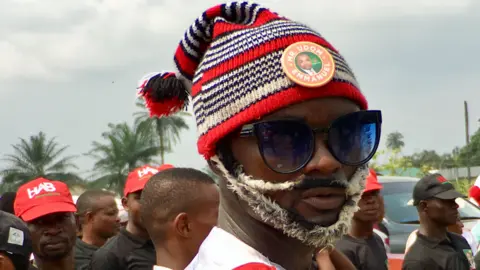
(36, 157)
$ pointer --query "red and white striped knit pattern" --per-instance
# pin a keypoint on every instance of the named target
(231, 54)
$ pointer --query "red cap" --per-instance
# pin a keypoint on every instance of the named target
(372, 182)
(137, 178)
(41, 197)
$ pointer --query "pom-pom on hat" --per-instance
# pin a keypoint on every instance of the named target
(241, 62)
(164, 94)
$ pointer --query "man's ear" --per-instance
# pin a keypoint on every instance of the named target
(89, 216)
(422, 206)
(124, 203)
(182, 225)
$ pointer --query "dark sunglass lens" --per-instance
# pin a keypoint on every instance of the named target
(285, 145)
(353, 138)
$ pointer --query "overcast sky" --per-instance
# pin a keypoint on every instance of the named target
(70, 67)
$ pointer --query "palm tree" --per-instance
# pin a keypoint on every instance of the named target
(126, 149)
(167, 129)
(395, 141)
(38, 157)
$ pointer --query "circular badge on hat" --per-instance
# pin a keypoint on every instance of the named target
(308, 64)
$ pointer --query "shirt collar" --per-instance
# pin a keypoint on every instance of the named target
(134, 238)
(431, 243)
(213, 252)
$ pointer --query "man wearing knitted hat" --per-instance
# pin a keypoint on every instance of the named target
(291, 148)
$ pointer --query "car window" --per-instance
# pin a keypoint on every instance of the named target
(399, 204)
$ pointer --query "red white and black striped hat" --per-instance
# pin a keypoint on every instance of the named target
(232, 62)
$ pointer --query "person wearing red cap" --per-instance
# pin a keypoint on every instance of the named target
(361, 245)
(291, 146)
(48, 209)
(132, 247)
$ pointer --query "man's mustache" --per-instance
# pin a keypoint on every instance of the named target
(54, 240)
(318, 182)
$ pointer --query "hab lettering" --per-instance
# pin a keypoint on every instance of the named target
(146, 171)
(45, 186)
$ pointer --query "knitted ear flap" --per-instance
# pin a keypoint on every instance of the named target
(164, 93)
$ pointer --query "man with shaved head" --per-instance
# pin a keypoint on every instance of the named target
(97, 220)
(179, 208)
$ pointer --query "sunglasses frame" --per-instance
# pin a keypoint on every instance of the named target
(374, 116)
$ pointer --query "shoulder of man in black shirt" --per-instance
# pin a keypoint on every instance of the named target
(83, 254)
(364, 253)
(427, 254)
(107, 256)
(124, 251)
(414, 265)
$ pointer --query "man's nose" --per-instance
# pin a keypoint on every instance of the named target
(322, 161)
(53, 230)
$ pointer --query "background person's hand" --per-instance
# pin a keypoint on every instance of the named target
(323, 260)
(332, 260)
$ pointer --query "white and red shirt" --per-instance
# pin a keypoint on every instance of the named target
(156, 267)
(223, 251)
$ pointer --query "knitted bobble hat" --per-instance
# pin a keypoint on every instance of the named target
(240, 62)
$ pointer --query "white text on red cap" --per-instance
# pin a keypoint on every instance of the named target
(146, 171)
(45, 186)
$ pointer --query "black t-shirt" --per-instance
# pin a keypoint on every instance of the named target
(83, 254)
(365, 254)
(124, 251)
(451, 253)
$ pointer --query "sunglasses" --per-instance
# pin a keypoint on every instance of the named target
(287, 145)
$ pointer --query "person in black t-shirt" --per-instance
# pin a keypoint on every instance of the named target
(362, 246)
(179, 209)
(435, 247)
(132, 247)
(97, 220)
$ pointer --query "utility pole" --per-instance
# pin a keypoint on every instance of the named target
(467, 137)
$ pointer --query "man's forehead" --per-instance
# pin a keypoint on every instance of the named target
(105, 201)
(52, 217)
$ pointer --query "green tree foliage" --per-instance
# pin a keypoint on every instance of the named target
(470, 154)
(166, 129)
(395, 140)
(38, 156)
(396, 163)
(125, 148)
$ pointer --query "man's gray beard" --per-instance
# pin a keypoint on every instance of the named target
(252, 191)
